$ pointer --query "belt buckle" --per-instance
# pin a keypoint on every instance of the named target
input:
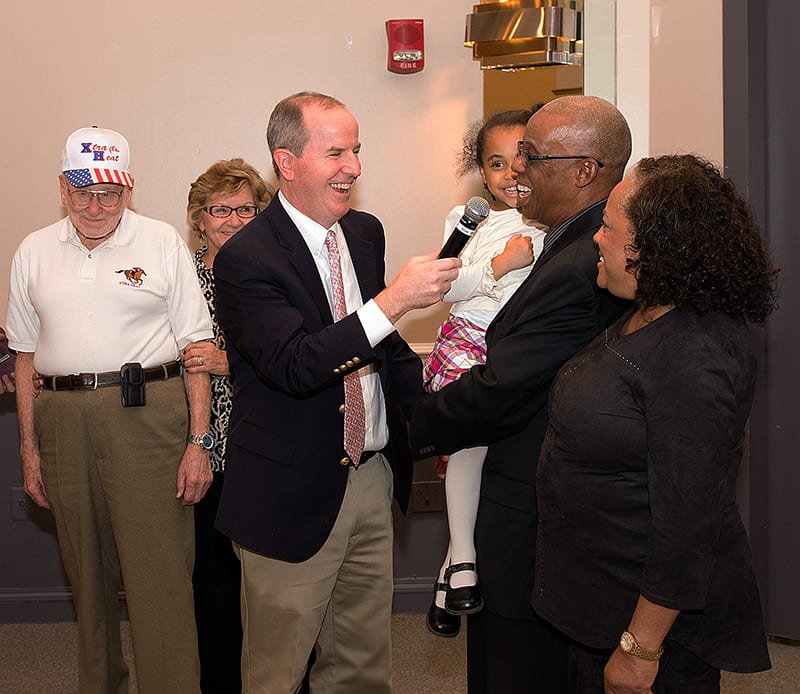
(78, 381)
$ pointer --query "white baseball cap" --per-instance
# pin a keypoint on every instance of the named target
(96, 155)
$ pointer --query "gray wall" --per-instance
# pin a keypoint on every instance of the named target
(33, 587)
(762, 115)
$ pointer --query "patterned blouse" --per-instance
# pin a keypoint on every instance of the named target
(221, 389)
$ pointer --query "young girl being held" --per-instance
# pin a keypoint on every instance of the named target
(496, 261)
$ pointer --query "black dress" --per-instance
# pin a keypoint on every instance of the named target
(637, 489)
(217, 574)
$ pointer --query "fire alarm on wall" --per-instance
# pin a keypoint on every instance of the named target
(406, 39)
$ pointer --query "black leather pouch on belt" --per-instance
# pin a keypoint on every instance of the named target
(132, 382)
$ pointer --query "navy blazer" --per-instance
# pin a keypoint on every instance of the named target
(556, 311)
(284, 483)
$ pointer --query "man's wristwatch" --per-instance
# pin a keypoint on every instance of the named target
(629, 645)
(205, 441)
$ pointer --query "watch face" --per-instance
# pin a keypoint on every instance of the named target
(205, 441)
(626, 642)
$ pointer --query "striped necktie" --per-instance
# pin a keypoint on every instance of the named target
(354, 417)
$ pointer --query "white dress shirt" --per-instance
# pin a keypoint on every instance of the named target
(376, 325)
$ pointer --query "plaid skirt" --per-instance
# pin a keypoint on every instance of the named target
(459, 346)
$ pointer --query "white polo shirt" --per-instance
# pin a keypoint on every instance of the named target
(134, 298)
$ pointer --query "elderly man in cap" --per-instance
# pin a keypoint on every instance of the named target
(101, 304)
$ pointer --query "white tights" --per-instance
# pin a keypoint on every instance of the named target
(462, 487)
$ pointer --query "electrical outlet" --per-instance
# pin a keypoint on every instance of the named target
(20, 504)
(427, 496)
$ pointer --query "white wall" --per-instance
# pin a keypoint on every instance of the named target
(189, 83)
(600, 48)
(192, 82)
(669, 75)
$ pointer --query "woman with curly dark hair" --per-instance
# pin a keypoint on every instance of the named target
(643, 560)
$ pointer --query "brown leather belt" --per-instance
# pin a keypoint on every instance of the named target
(91, 381)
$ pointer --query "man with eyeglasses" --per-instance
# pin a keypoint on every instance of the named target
(573, 153)
(101, 303)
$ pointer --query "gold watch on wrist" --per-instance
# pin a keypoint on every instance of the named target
(629, 645)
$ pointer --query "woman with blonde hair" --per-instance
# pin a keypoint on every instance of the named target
(222, 201)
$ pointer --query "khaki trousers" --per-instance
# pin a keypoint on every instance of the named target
(109, 473)
(338, 603)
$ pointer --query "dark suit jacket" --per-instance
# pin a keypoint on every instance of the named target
(284, 482)
(503, 404)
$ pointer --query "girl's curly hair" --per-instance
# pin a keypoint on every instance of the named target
(696, 240)
(471, 155)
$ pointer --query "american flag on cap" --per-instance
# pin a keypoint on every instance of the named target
(96, 155)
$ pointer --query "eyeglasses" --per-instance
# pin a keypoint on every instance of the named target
(106, 198)
(223, 211)
(530, 158)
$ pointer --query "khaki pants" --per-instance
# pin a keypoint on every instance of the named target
(338, 602)
(109, 473)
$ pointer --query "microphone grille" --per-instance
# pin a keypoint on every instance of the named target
(477, 209)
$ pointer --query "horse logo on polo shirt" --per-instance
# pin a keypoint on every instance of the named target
(133, 276)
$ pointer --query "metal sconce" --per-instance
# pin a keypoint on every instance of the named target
(518, 34)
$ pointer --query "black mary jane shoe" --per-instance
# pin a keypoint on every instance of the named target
(439, 621)
(464, 600)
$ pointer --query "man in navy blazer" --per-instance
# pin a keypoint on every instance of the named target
(574, 152)
(311, 524)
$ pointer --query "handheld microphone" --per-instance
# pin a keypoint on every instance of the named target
(475, 211)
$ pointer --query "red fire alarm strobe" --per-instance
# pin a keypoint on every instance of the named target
(406, 39)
